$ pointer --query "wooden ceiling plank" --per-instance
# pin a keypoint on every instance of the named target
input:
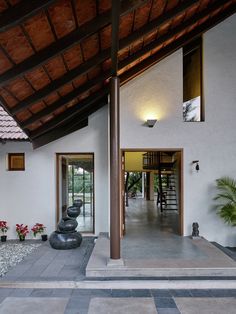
(162, 39)
(185, 39)
(84, 104)
(82, 69)
(65, 99)
(91, 63)
(22, 11)
(67, 41)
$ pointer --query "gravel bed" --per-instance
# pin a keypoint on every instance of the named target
(13, 253)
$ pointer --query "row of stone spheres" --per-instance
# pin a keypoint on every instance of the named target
(66, 237)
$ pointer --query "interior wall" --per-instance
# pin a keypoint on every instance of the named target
(158, 93)
(30, 196)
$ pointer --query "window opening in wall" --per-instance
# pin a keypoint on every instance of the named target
(16, 161)
(192, 82)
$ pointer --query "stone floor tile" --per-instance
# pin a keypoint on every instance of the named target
(223, 292)
(21, 292)
(169, 311)
(33, 305)
(180, 293)
(121, 293)
(206, 305)
(42, 293)
(5, 292)
(62, 292)
(122, 305)
(160, 293)
(141, 293)
(164, 303)
(200, 293)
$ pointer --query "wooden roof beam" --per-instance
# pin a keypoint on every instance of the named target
(22, 11)
(123, 64)
(71, 112)
(59, 132)
(179, 43)
(65, 99)
(66, 42)
(93, 62)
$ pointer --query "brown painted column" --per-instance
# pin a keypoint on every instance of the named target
(115, 168)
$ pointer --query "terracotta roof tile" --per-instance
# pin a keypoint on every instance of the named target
(9, 129)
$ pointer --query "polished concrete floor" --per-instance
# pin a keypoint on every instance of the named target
(154, 234)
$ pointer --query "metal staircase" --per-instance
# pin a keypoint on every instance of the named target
(164, 163)
(169, 195)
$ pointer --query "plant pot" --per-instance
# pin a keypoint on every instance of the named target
(44, 237)
(3, 238)
(22, 238)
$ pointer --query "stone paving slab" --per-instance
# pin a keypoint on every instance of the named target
(33, 305)
(122, 305)
(206, 305)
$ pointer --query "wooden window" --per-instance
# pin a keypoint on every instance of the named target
(16, 161)
(192, 82)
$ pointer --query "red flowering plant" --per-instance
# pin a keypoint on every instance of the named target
(3, 226)
(38, 228)
(22, 231)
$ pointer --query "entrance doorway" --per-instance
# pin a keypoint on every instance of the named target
(75, 180)
(152, 191)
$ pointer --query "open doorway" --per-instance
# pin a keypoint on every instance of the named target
(152, 191)
(75, 180)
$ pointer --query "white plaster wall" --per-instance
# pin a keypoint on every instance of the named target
(30, 196)
(158, 92)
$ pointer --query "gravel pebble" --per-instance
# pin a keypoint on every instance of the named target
(12, 254)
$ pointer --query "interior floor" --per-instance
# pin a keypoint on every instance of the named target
(154, 234)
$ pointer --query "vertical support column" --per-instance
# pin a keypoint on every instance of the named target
(151, 185)
(143, 185)
(115, 169)
(148, 186)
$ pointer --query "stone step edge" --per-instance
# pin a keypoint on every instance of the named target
(125, 284)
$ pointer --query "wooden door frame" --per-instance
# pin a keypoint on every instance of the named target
(58, 185)
(181, 186)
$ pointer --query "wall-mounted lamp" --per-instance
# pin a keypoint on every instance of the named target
(151, 123)
(197, 168)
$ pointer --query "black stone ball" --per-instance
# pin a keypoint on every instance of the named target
(78, 203)
(67, 224)
(73, 211)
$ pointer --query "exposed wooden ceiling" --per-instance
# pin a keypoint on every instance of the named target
(55, 55)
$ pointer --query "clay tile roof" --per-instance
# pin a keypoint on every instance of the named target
(9, 129)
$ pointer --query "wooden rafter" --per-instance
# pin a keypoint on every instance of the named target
(61, 118)
(64, 100)
(22, 11)
(169, 49)
(123, 64)
(66, 42)
(93, 62)
(60, 132)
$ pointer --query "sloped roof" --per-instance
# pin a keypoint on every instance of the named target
(55, 55)
(9, 129)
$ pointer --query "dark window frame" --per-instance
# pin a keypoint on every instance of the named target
(10, 155)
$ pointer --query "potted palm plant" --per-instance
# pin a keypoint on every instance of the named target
(3, 228)
(226, 208)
